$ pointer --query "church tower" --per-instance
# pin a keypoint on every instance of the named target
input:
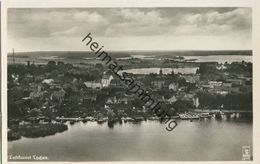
(161, 73)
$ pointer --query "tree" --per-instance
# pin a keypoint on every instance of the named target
(183, 106)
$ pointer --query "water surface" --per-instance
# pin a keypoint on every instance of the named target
(146, 141)
(220, 58)
(145, 71)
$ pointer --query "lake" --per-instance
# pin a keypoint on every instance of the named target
(145, 71)
(82, 59)
(199, 58)
(145, 141)
(220, 58)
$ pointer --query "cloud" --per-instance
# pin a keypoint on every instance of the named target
(143, 18)
(126, 22)
(120, 24)
(70, 31)
(89, 17)
(214, 22)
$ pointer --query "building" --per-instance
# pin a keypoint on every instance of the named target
(112, 100)
(158, 83)
(15, 77)
(39, 78)
(222, 92)
(221, 67)
(215, 83)
(106, 80)
(172, 100)
(37, 91)
(206, 87)
(93, 84)
(196, 102)
(88, 98)
(235, 81)
(116, 82)
(173, 87)
(227, 85)
(219, 91)
(36, 94)
(48, 81)
(191, 78)
(123, 100)
(58, 95)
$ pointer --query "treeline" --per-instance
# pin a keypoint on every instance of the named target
(232, 101)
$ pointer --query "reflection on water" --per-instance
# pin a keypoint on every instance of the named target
(206, 139)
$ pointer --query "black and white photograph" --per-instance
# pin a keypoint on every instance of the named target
(100, 84)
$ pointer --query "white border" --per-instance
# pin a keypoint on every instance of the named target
(127, 3)
(134, 3)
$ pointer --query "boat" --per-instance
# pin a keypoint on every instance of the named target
(204, 115)
(102, 120)
(125, 119)
(188, 116)
(153, 118)
(138, 118)
(89, 119)
(72, 119)
(175, 117)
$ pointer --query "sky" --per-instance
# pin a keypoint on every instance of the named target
(123, 29)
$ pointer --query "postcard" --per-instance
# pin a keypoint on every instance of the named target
(117, 81)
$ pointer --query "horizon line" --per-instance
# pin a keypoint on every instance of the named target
(129, 50)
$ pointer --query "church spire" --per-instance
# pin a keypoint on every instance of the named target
(161, 72)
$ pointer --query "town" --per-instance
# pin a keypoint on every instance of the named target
(42, 97)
